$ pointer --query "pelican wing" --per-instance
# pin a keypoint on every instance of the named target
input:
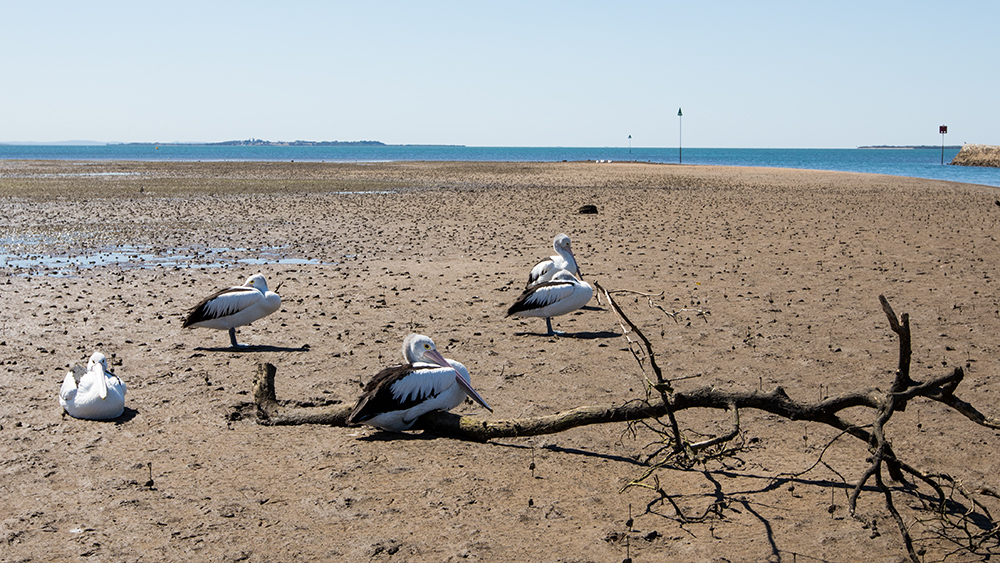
(540, 269)
(68, 390)
(389, 390)
(542, 295)
(223, 303)
(115, 382)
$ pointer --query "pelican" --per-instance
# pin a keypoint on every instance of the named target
(235, 306)
(563, 260)
(561, 295)
(397, 396)
(96, 394)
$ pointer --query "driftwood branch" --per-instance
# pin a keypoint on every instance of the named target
(270, 412)
(662, 386)
(662, 400)
(901, 327)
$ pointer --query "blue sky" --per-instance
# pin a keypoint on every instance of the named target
(747, 74)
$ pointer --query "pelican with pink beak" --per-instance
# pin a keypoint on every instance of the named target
(234, 306)
(397, 396)
(562, 260)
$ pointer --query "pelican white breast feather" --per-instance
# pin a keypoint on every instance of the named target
(94, 394)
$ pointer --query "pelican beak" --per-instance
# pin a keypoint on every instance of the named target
(466, 386)
(102, 383)
(579, 274)
(471, 392)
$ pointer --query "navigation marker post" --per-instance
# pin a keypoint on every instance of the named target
(943, 130)
(680, 136)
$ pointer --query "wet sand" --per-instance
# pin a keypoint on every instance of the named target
(787, 264)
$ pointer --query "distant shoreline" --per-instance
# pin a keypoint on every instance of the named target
(245, 143)
(262, 143)
(909, 147)
(300, 143)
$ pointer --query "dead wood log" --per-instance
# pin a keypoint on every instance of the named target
(662, 400)
(664, 403)
(271, 413)
(777, 402)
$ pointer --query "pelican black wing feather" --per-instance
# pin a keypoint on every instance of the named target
(377, 397)
(530, 298)
(201, 311)
(78, 372)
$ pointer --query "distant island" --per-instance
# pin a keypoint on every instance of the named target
(910, 147)
(262, 143)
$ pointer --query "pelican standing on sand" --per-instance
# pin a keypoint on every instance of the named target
(235, 306)
(563, 260)
(561, 295)
(397, 396)
(96, 394)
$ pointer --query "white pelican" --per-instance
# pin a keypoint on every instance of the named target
(96, 394)
(397, 396)
(563, 260)
(235, 306)
(561, 295)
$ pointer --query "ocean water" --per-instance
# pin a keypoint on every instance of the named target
(918, 163)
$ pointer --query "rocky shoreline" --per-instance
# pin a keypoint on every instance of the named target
(978, 155)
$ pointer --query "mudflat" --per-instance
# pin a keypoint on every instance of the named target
(774, 276)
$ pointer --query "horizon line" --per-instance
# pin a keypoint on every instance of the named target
(69, 143)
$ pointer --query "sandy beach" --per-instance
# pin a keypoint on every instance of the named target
(785, 267)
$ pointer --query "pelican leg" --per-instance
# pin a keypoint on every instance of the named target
(548, 327)
(232, 337)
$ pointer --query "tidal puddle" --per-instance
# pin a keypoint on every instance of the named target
(69, 264)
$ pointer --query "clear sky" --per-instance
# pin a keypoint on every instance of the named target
(511, 73)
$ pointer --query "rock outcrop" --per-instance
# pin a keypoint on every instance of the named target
(978, 155)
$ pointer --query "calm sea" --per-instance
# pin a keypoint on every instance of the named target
(918, 163)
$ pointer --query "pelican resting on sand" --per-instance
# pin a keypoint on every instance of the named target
(96, 394)
(561, 295)
(235, 306)
(563, 260)
(397, 396)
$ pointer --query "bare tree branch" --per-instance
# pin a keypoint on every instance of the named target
(270, 412)
(901, 327)
(662, 400)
